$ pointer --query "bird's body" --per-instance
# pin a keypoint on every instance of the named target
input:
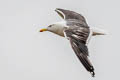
(62, 25)
(77, 31)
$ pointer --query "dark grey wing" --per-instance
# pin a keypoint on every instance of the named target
(67, 14)
(78, 37)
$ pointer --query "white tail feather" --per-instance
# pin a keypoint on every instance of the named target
(98, 31)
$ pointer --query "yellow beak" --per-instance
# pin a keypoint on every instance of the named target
(43, 30)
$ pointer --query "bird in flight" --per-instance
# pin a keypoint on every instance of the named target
(75, 28)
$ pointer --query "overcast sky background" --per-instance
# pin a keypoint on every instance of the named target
(26, 54)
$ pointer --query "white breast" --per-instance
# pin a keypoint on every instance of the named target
(60, 26)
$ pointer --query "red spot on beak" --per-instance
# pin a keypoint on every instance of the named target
(41, 30)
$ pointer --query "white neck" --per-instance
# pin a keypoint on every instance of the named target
(60, 26)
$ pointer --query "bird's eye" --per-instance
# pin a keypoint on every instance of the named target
(50, 26)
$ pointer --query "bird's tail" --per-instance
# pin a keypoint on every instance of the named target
(98, 31)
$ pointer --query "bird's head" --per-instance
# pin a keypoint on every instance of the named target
(51, 28)
(56, 28)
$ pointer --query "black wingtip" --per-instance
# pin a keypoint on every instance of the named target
(93, 73)
(57, 9)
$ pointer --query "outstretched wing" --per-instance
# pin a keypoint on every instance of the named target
(78, 37)
(77, 33)
(67, 14)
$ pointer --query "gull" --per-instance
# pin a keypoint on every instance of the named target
(75, 28)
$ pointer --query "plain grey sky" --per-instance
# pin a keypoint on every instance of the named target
(26, 54)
